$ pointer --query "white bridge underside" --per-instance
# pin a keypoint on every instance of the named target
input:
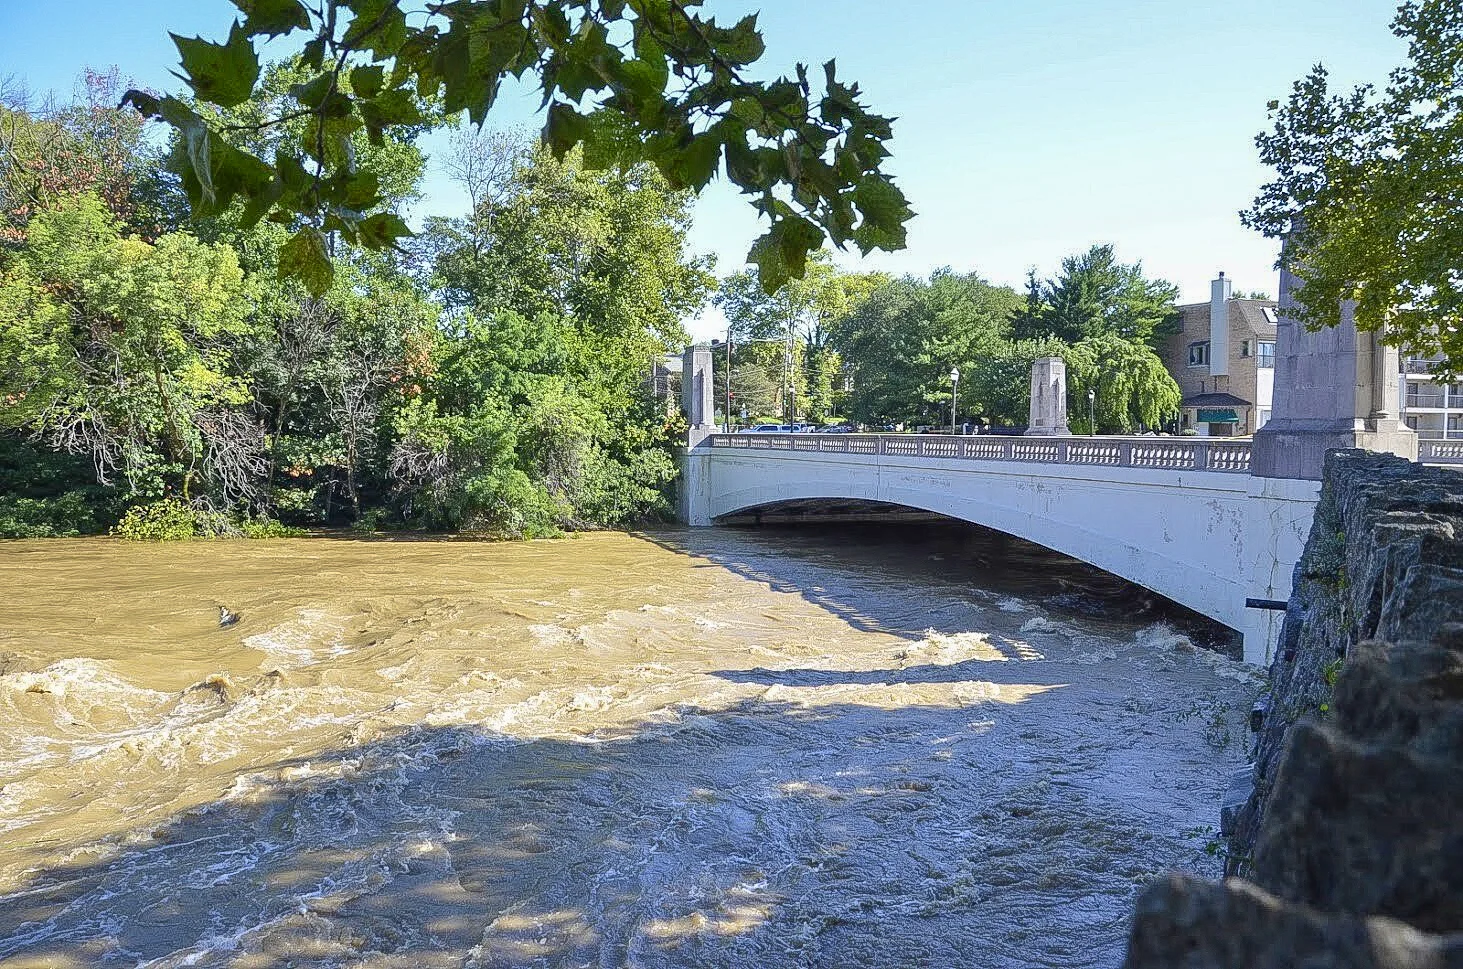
(1205, 539)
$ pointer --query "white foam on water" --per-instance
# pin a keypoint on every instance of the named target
(594, 699)
(548, 634)
(1164, 638)
(82, 682)
(300, 641)
(948, 649)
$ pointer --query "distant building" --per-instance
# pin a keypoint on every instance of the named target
(1430, 407)
(1223, 359)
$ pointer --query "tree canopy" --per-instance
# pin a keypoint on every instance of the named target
(493, 376)
(1094, 295)
(900, 344)
(802, 314)
(631, 81)
(1367, 187)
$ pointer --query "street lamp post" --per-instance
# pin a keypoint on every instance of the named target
(1091, 421)
(954, 396)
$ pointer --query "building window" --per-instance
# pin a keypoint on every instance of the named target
(1266, 354)
(1270, 316)
(1199, 354)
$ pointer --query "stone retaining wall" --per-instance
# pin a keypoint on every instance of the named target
(1349, 850)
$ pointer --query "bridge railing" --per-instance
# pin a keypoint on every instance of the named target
(1174, 454)
(1437, 452)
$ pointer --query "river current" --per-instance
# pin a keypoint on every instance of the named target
(875, 747)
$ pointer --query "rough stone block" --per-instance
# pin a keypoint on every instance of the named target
(1405, 695)
(1188, 923)
(1365, 830)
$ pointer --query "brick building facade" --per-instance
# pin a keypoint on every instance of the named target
(1223, 359)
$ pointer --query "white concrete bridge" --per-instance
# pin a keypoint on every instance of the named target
(1215, 525)
(1181, 517)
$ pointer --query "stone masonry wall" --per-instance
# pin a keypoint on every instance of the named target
(1349, 852)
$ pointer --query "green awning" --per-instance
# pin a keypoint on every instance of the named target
(1225, 416)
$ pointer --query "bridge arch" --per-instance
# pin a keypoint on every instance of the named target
(1033, 569)
(1180, 534)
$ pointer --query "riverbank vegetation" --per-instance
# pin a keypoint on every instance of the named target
(489, 376)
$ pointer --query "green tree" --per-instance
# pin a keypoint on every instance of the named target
(803, 314)
(754, 387)
(1131, 389)
(999, 381)
(122, 350)
(52, 152)
(565, 284)
(638, 81)
(1095, 295)
(900, 344)
(1367, 187)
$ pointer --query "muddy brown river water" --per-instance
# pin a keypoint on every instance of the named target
(845, 747)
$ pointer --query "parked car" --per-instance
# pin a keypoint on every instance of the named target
(767, 429)
(835, 429)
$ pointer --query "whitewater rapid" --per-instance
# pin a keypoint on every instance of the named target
(710, 748)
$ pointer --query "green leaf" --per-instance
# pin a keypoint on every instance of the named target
(782, 253)
(340, 150)
(367, 79)
(379, 26)
(609, 141)
(224, 74)
(292, 173)
(304, 257)
(564, 129)
(381, 230)
(319, 94)
(741, 44)
(884, 210)
(362, 190)
(695, 164)
(270, 18)
(259, 204)
(391, 107)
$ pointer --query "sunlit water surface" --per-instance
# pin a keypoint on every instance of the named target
(714, 748)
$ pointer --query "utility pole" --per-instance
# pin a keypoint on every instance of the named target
(789, 403)
(728, 378)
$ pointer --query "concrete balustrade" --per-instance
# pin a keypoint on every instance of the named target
(1440, 452)
(1176, 454)
(1180, 454)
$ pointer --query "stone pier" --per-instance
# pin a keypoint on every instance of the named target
(1048, 397)
(697, 403)
(1334, 388)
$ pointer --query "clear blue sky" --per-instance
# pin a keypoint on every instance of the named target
(1027, 130)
